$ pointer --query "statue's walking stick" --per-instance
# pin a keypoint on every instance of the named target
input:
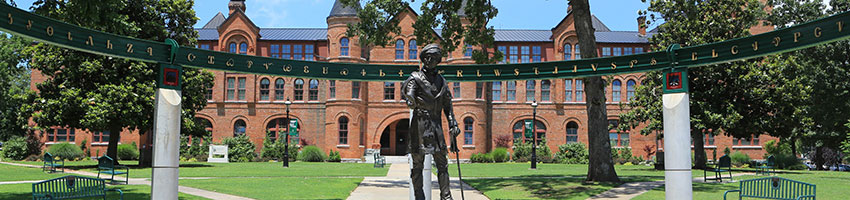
(459, 177)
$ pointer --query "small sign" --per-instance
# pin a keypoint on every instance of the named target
(169, 76)
(293, 127)
(218, 154)
(528, 129)
(676, 81)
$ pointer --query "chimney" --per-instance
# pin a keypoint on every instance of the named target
(641, 25)
(236, 4)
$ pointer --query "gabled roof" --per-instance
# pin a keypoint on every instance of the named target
(340, 10)
(510, 35)
(598, 25)
(304, 34)
(239, 12)
(216, 21)
(632, 37)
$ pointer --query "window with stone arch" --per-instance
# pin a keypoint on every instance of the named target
(243, 48)
(279, 85)
(468, 127)
(412, 50)
(299, 89)
(615, 90)
(265, 85)
(232, 48)
(343, 46)
(276, 127)
(520, 127)
(578, 53)
(314, 90)
(399, 49)
(568, 51)
(343, 130)
(530, 87)
(572, 132)
(630, 89)
(239, 128)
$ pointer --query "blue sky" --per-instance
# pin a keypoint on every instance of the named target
(618, 15)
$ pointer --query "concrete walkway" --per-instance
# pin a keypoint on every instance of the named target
(634, 189)
(395, 186)
(139, 181)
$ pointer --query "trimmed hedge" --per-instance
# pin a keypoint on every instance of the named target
(572, 153)
(311, 154)
(66, 151)
(128, 152)
(739, 158)
(481, 158)
(500, 155)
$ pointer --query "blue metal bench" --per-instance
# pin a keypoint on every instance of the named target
(71, 187)
(380, 161)
(51, 163)
(106, 165)
(774, 188)
(767, 166)
(723, 165)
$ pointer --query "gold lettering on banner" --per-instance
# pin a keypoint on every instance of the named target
(381, 73)
(840, 25)
(363, 72)
(306, 69)
(69, 36)
(516, 71)
(109, 44)
(324, 70)
(344, 72)
(459, 73)
(267, 65)
(734, 50)
(211, 60)
(613, 65)
(229, 63)
(653, 61)
(150, 51)
(191, 57)
(287, 68)
(817, 32)
(400, 73)
(593, 66)
(536, 71)
(632, 63)
(575, 68)
(129, 48)
(49, 30)
(713, 53)
(693, 55)
(250, 63)
(497, 72)
(29, 24)
(11, 20)
(776, 41)
(756, 46)
(478, 72)
(441, 72)
(797, 35)
(556, 70)
(90, 41)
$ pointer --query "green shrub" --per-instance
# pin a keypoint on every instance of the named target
(15, 148)
(522, 152)
(784, 157)
(128, 152)
(481, 158)
(500, 155)
(334, 156)
(739, 159)
(195, 149)
(572, 153)
(239, 148)
(66, 151)
(311, 154)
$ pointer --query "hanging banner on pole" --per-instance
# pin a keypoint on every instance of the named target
(23, 23)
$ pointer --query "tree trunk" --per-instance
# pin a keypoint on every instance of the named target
(112, 148)
(793, 146)
(146, 150)
(601, 166)
(699, 148)
(819, 162)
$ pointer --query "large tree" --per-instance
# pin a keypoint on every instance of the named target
(14, 81)
(102, 93)
(725, 97)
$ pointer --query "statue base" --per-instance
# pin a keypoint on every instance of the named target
(426, 176)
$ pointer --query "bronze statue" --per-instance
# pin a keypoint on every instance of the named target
(427, 94)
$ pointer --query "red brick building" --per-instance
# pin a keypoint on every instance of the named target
(352, 117)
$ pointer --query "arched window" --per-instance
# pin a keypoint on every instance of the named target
(523, 127)
(545, 86)
(468, 51)
(497, 91)
(578, 53)
(468, 123)
(630, 89)
(343, 46)
(530, 87)
(572, 132)
(568, 90)
(276, 127)
(264, 89)
(278, 89)
(314, 90)
(615, 90)
(243, 48)
(568, 52)
(299, 90)
(232, 48)
(399, 49)
(579, 90)
(511, 91)
(239, 128)
(412, 50)
(343, 130)
(389, 90)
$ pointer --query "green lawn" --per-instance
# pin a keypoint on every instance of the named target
(628, 173)
(249, 169)
(24, 191)
(16, 173)
(538, 188)
(830, 185)
(279, 187)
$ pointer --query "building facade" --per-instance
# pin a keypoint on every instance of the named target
(352, 117)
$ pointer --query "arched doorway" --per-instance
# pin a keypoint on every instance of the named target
(394, 138)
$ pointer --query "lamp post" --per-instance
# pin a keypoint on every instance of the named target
(534, 135)
(286, 146)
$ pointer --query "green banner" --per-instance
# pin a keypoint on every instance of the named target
(58, 33)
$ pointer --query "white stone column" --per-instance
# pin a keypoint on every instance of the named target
(426, 176)
(166, 158)
(677, 146)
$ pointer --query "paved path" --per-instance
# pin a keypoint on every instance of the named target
(634, 189)
(395, 186)
(140, 181)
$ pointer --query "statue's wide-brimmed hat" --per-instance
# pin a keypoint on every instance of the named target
(431, 49)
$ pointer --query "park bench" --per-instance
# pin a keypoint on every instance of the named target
(724, 164)
(767, 166)
(71, 187)
(106, 165)
(51, 163)
(774, 188)
(380, 161)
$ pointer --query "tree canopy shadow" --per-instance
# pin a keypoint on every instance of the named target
(544, 188)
